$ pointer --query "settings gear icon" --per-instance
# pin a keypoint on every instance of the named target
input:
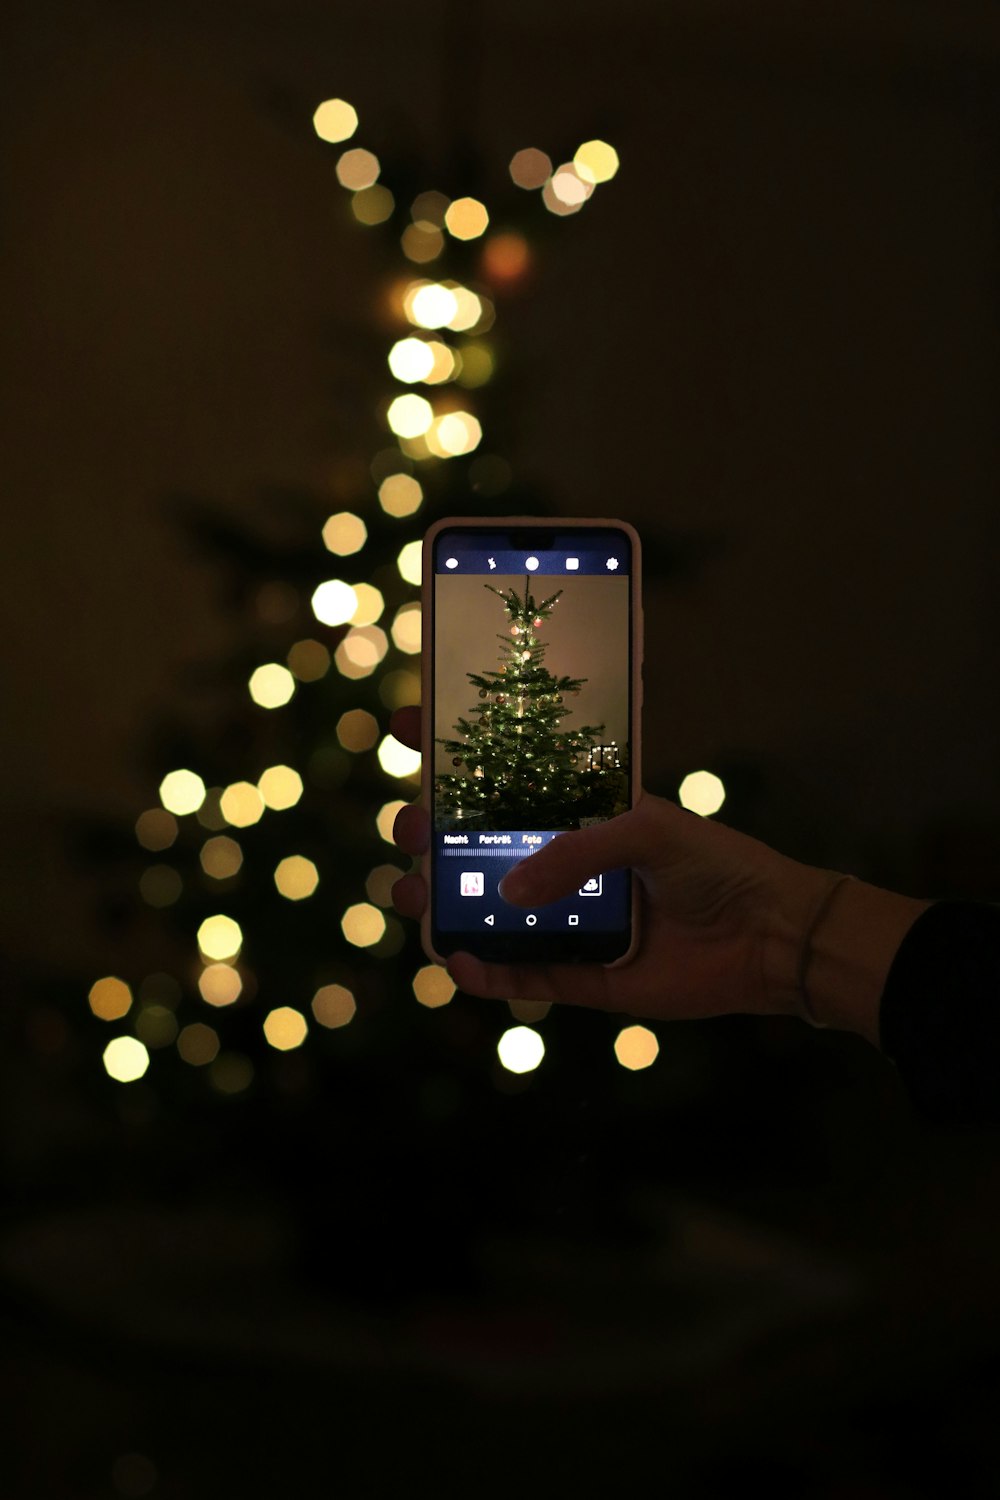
(612, 563)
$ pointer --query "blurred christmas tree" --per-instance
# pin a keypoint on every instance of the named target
(525, 769)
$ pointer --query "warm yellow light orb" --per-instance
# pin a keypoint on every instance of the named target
(309, 660)
(702, 792)
(360, 652)
(477, 366)
(466, 219)
(156, 1026)
(280, 788)
(409, 561)
(410, 416)
(182, 792)
(334, 1006)
(373, 205)
(220, 984)
(405, 629)
(357, 169)
(386, 817)
(271, 685)
(369, 606)
(636, 1047)
(242, 804)
(520, 1049)
(198, 1044)
(362, 924)
(335, 120)
(397, 759)
(429, 208)
(345, 533)
(431, 305)
(596, 161)
(457, 432)
(296, 877)
(221, 857)
(110, 998)
(422, 242)
(446, 363)
(125, 1059)
(400, 495)
(530, 168)
(285, 1028)
(469, 309)
(411, 359)
(334, 602)
(569, 187)
(220, 938)
(156, 829)
(378, 886)
(433, 986)
(357, 730)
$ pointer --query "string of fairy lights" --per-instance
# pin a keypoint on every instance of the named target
(440, 358)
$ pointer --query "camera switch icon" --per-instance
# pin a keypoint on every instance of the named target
(592, 887)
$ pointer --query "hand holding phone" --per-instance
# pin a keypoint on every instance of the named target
(531, 686)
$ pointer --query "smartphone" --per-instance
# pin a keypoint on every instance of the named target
(531, 660)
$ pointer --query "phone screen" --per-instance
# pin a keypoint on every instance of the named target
(532, 684)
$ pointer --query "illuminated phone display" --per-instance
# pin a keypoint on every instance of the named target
(532, 711)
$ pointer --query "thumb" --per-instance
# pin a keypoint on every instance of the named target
(562, 865)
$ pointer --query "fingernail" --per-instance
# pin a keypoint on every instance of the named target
(514, 887)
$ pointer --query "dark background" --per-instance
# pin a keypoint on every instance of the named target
(775, 332)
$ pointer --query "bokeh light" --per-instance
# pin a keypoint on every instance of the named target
(110, 998)
(160, 886)
(506, 257)
(429, 304)
(242, 804)
(285, 1028)
(362, 924)
(156, 829)
(520, 1049)
(210, 814)
(411, 359)
(386, 817)
(125, 1059)
(231, 1073)
(422, 242)
(309, 660)
(335, 120)
(357, 169)
(529, 1011)
(373, 205)
(378, 886)
(471, 311)
(220, 984)
(272, 685)
(429, 208)
(369, 606)
(357, 730)
(477, 365)
(221, 857)
(400, 688)
(408, 562)
(596, 161)
(334, 602)
(220, 938)
(455, 433)
(280, 787)
(400, 495)
(344, 533)
(433, 986)
(636, 1047)
(334, 1006)
(410, 416)
(701, 792)
(530, 168)
(397, 759)
(156, 1026)
(405, 629)
(198, 1044)
(296, 877)
(446, 363)
(566, 191)
(182, 792)
(466, 219)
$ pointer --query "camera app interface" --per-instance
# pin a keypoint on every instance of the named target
(532, 674)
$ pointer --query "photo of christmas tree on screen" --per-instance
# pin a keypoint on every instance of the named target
(516, 762)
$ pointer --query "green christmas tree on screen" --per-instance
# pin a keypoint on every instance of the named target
(523, 767)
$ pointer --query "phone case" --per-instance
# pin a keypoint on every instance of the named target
(426, 677)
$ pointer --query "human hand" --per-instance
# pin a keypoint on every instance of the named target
(722, 916)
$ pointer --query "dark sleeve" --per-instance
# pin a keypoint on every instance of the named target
(940, 1015)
